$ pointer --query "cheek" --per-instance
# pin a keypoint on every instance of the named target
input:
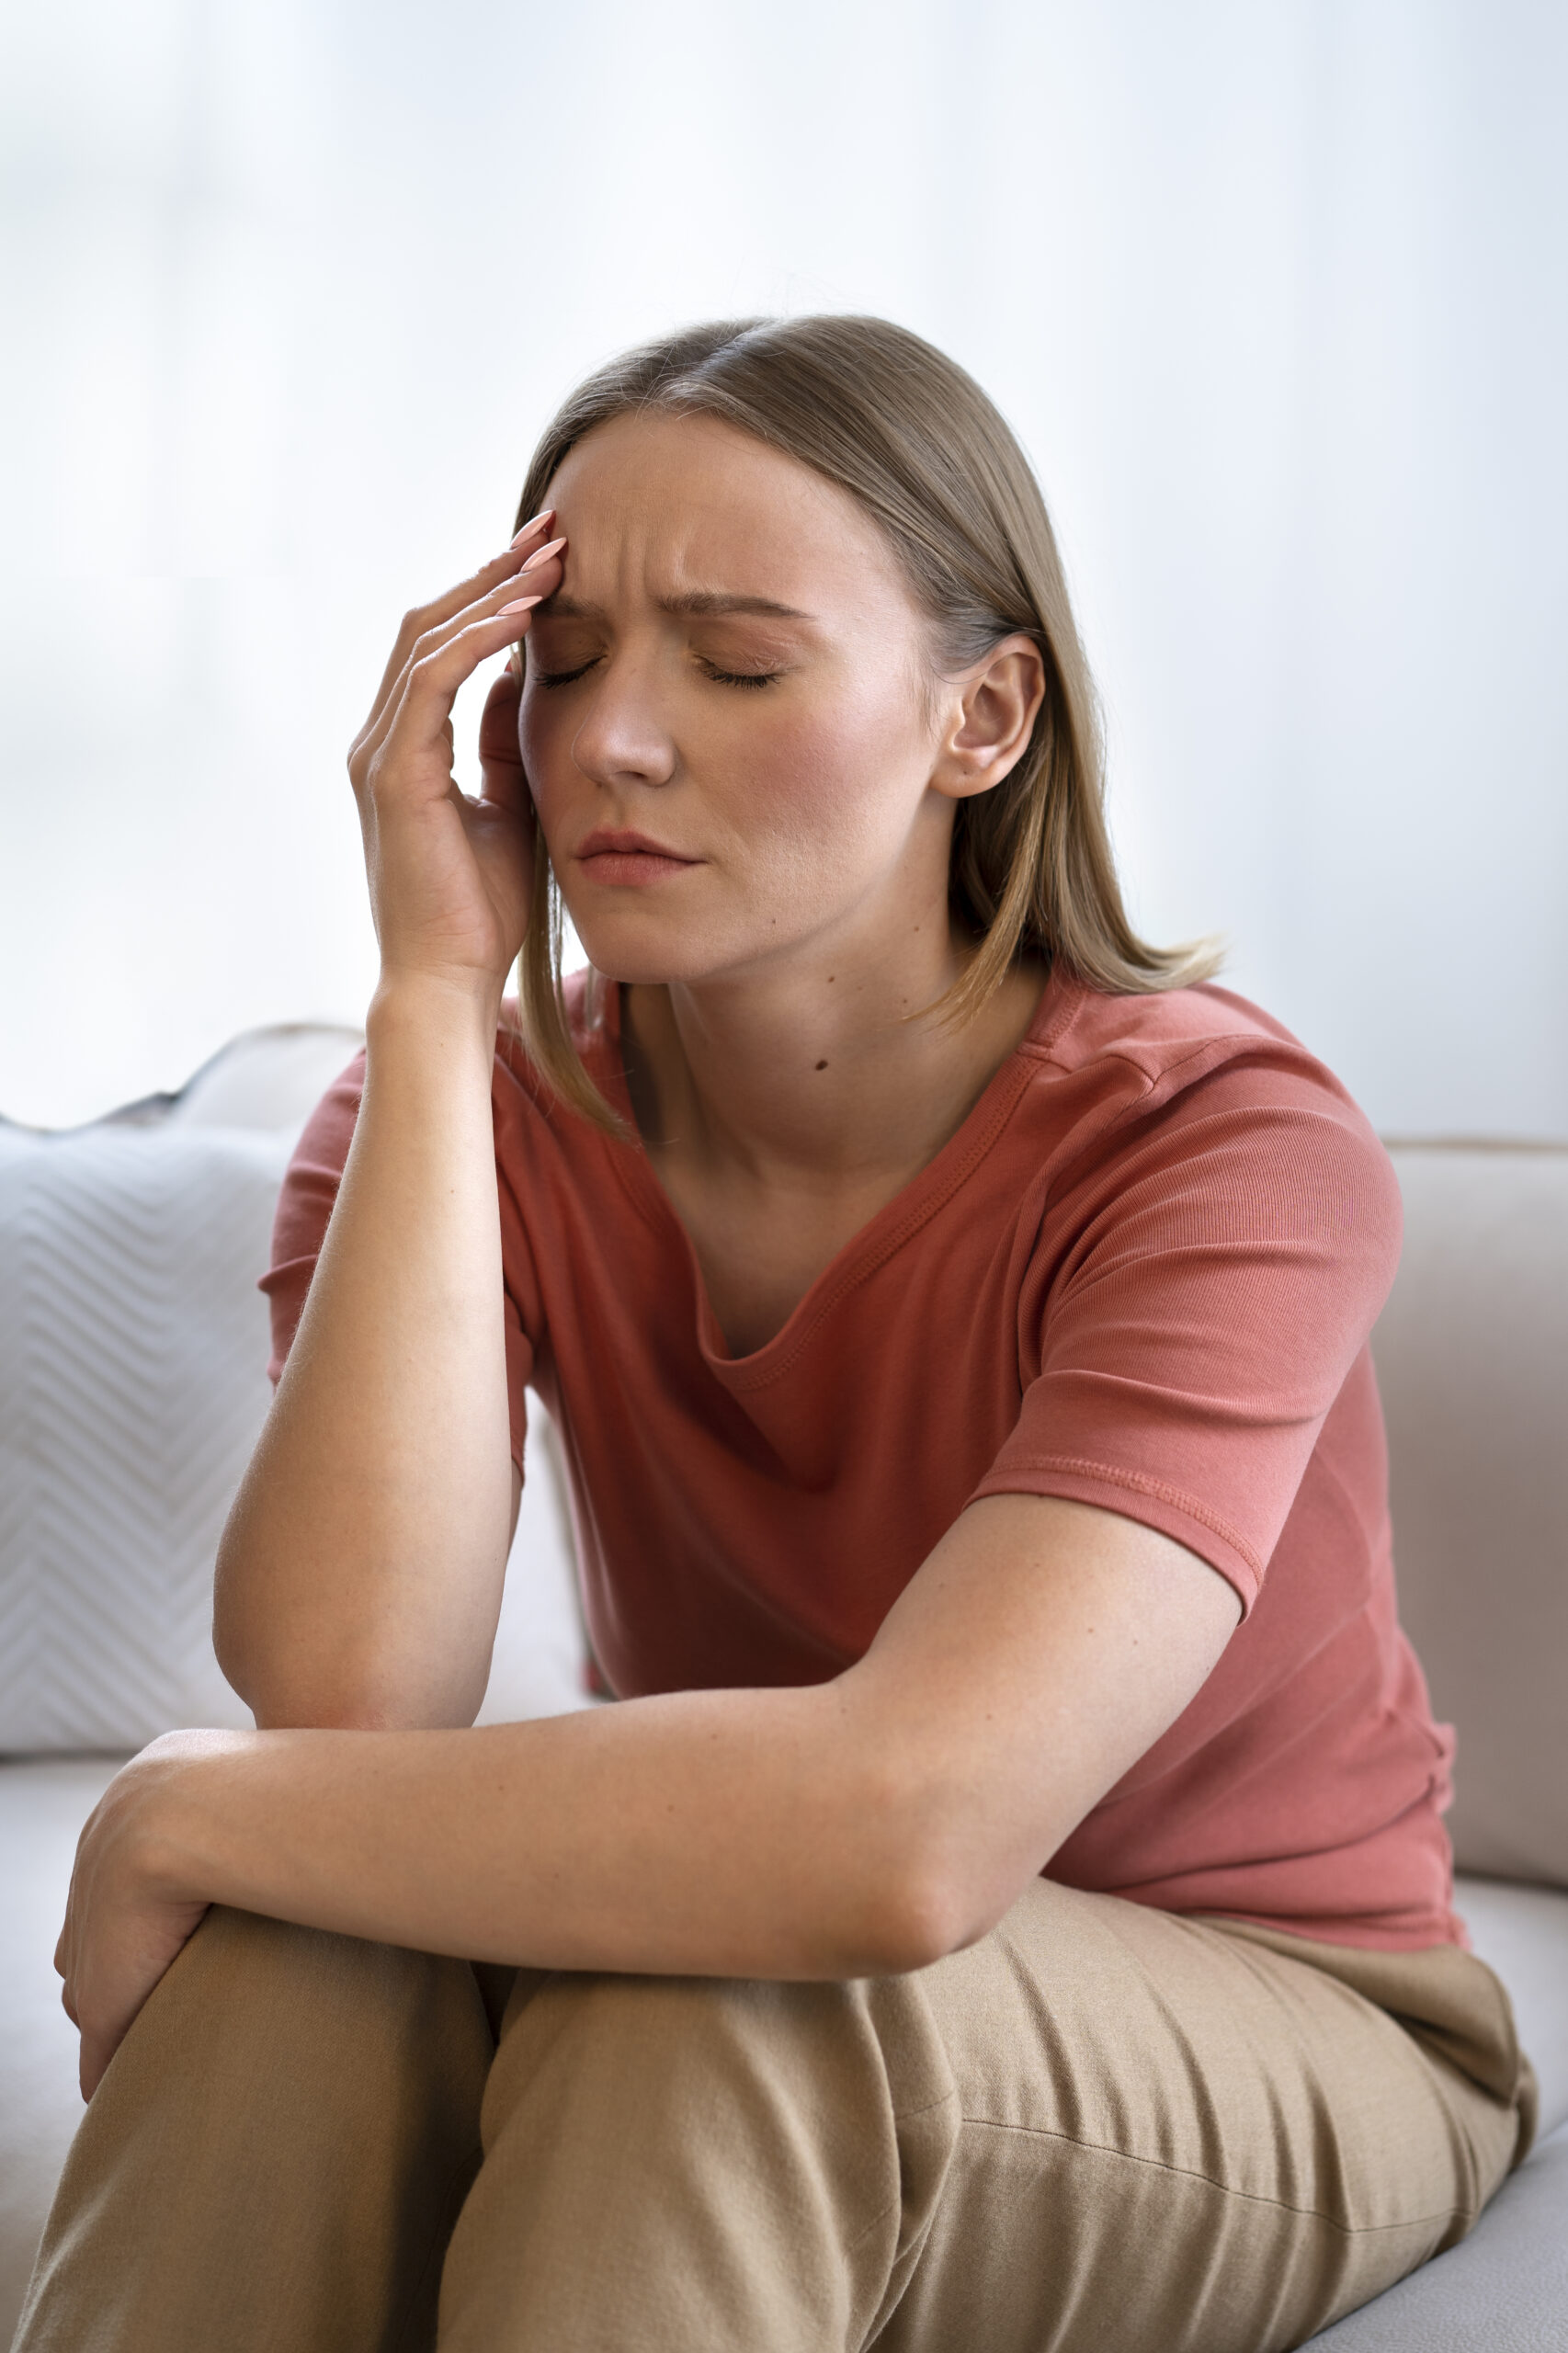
(837, 769)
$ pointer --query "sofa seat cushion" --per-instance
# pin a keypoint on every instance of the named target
(43, 1803)
(1522, 1933)
(1503, 2290)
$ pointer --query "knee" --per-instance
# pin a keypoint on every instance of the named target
(626, 2029)
(789, 2062)
(253, 2003)
(243, 1965)
(741, 2144)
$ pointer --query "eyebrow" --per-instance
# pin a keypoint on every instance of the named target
(697, 601)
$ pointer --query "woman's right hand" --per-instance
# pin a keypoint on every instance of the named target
(452, 877)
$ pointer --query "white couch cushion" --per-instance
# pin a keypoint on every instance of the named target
(1472, 1353)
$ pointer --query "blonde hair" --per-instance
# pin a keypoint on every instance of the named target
(913, 439)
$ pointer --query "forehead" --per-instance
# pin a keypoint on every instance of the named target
(675, 504)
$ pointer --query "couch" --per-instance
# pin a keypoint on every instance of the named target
(132, 1343)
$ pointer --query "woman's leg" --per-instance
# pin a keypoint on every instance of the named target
(1101, 2127)
(274, 2159)
(1219, 2144)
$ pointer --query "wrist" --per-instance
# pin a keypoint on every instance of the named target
(452, 1006)
(179, 1823)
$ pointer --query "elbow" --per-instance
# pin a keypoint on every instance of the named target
(314, 1701)
(919, 1919)
(930, 1892)
(941, 1903)
(299, 1670)
(302, 1708)
(344, 1693)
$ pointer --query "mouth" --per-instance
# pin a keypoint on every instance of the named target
(616, 859)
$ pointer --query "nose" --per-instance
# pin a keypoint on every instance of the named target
(622, 739)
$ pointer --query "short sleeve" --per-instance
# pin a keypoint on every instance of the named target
(305, 1208)
(1194, 1327)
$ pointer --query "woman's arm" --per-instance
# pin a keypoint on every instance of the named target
(360, 1576)
(856, 1827)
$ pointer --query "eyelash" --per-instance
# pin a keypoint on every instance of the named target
(720, 677)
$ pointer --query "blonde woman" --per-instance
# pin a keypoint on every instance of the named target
(1009, 1908)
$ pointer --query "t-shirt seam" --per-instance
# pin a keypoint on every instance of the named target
(1044, 1050)
(1136, 1482)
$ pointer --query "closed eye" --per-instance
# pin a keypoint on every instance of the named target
(710, 669)
(741, 678)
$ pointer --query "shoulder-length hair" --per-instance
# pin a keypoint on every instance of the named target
(910, 435)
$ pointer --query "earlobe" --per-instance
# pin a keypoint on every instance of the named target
(989, 731)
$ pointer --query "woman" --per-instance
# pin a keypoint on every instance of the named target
(1009, 1906)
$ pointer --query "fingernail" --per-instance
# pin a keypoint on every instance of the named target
(519, 605)
(542, 516)
(543, 555)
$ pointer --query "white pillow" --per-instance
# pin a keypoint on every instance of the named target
(132, 1384)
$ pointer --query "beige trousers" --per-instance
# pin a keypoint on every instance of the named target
(1102, 2126)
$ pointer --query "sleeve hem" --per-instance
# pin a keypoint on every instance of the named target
(1135, 1496)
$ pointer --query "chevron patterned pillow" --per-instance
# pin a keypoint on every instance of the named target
(132, 1384)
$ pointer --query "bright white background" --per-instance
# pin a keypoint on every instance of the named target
(1276, 294)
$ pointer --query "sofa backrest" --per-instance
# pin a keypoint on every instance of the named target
(1472, 1353)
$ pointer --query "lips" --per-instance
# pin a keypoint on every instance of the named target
(616, 859)
(605, 840)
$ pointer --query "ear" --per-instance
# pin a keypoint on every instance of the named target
(987, 717)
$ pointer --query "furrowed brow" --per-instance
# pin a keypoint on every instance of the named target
(710, 600)
(696, 602)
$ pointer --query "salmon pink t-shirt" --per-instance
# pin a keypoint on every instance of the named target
(1141, 1274)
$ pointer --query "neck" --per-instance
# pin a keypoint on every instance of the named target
(818, 1074)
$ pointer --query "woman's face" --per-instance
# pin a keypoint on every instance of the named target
(729, 718)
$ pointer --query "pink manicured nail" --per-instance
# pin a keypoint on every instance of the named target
(519, 605)
(542, 516)
(543, 555)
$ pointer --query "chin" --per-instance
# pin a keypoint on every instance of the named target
(631, 950)
(636, 949)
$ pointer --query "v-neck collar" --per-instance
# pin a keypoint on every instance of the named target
(873, 1243)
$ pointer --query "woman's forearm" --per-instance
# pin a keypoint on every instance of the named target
(731, 1833)
(360, 1576)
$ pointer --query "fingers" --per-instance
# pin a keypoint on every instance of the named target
(500, 755)
(448, 653)
(419, 621)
